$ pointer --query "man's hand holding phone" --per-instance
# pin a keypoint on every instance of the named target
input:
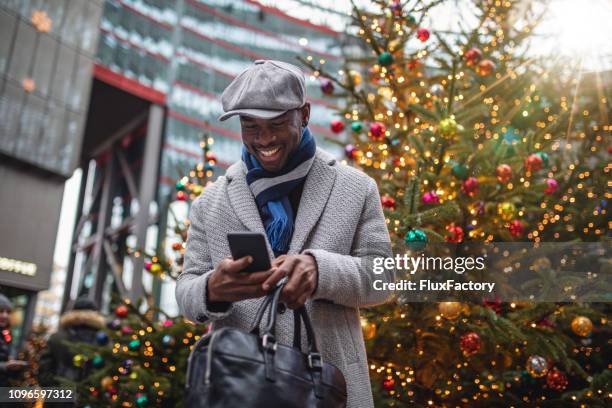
(229, 284)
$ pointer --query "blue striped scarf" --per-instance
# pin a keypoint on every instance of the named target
(271, 190)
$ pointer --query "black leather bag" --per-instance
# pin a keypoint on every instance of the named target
(232, 368)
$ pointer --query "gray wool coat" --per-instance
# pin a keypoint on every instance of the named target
(339, 221)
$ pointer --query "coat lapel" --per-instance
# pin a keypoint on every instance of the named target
(241, 199)
(317, 188)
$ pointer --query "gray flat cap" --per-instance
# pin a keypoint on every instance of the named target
(265, 90)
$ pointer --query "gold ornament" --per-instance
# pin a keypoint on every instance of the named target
(156, 269)
(582, 326)
(78, 360)
(448, 127)
(355, 76)
(368, 328)
(106, 382)
(450, 310)
(541, 264)
(506, 211)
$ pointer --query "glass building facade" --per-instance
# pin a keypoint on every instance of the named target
(46, 56)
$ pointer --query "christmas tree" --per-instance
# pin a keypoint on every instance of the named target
(472, 140)
(140, 359)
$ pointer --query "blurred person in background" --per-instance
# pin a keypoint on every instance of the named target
(80, 324)
(9, 368)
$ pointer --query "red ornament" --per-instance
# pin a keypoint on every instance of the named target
(470, 186)
(388, 384)
(552, 186)
(387, 202)
(327, 87)
(485, 67)
(455, 234)
(533, 162)
(503, 172)
(337, 126)
(430, 197)
(181, 196)
(556, 380)
(516, 228)
(423, 34)
(177, 245)
(609, 149)
(126, 329)
(377, 131)
(413, 64)
(148, 265)
(121, 311)
(350, 151)
(211, 157)
(472, 56)
(494, 304)
(470, 343)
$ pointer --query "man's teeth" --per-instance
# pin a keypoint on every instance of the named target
(269, 152)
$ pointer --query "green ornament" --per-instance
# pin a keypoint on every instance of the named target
(141, 400)
(385, 59)
(460, 171)
(410, 19)
(134, 345)
(544, 157)
(97, 361)
(416, 239)
(180, 185)
(356, 127)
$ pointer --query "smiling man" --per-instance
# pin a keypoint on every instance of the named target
(323, 222)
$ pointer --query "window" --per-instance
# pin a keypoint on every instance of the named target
(21, 59)
(43, 63)
(7, 31)
(62, 83)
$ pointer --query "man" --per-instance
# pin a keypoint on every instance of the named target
(323, 221)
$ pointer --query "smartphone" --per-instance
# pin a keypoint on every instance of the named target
(253, 244)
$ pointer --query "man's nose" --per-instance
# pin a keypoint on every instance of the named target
(265, 136)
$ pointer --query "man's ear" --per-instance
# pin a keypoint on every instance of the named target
(305, 113)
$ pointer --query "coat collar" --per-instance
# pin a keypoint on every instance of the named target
(317, 188)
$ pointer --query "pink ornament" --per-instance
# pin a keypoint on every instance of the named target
(148, 265)
(126, 330)
(430, 197)
(377, 131)
(167, 323)
(470, 186)
(327, 87)
(423, 34)
(350, 151)
(516, 228)
(552, 184)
